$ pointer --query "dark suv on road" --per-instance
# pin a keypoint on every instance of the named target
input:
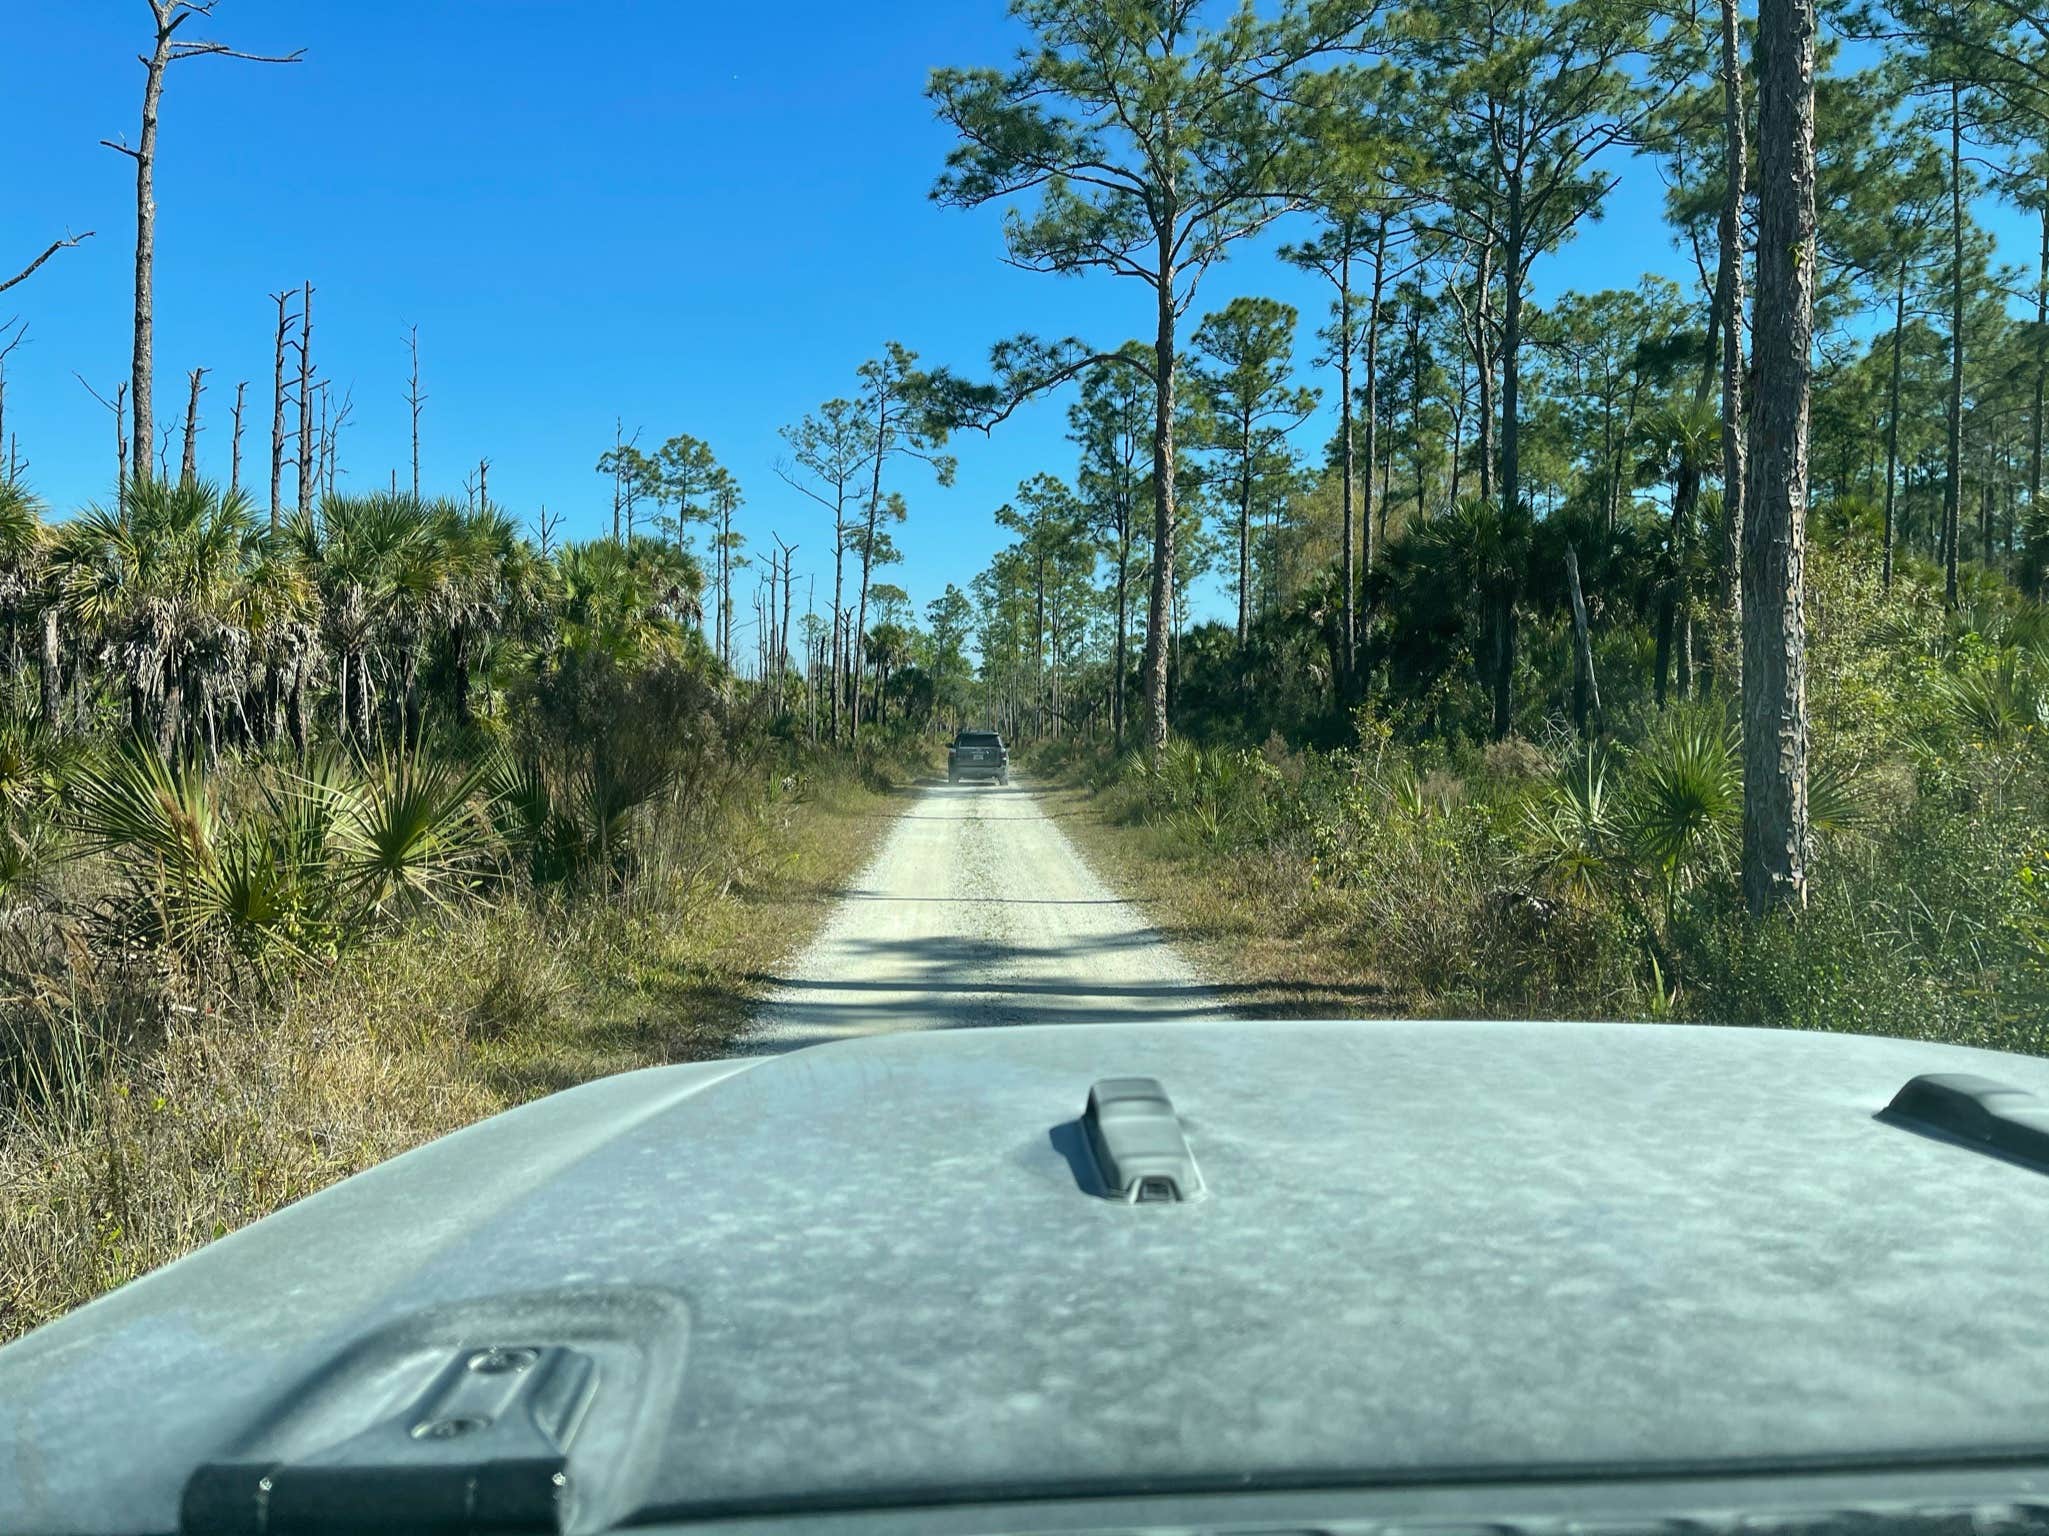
(978, 755)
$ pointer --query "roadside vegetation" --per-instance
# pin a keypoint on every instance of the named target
(1425, 873)
(315, 846)
(1672, 649)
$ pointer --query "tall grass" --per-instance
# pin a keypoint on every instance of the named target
(169, 1078)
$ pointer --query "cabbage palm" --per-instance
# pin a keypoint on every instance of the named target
(367, 555)
(628, 601)
(281, 610)
(495, 585)
(160, 587)
(24, 582)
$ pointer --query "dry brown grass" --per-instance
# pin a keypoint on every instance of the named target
(131, 1158)
(1277, 945)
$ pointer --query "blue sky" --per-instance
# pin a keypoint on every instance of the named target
(698, 217)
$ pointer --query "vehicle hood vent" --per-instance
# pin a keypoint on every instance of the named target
(1138, 1144)
(483, 1449)
(1978, 1112)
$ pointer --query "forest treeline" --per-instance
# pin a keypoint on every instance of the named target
(1627, 609)
(1645, 458)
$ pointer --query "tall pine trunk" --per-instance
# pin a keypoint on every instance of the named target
(1158, 641)
(1775, 828)
(1511, 451)
(1483, 359)
(839, 570)
(1735, 471)
(1953, 452)
(1245, 536)
(1370, 547)
(1123, 626)
(1348, 654)
(2035, 537)
(1892, 427)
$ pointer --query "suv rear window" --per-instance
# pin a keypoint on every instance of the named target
(979, 739)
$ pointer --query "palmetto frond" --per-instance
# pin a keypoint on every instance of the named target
(414, 837)
(137, 803)
(22, 533)
(1685, 794)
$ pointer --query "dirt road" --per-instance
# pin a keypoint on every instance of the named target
(976, 911)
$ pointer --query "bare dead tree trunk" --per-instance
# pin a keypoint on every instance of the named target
(306, 401)
(169, 16)
(235, 452)
(1735, 469)
(782, 648)
(414, 400)
(188, 466)
(10, 471)
(277, 406)
(118, 409)
(142, 360)
(618, 474)
(1775, 826)
(330, 436)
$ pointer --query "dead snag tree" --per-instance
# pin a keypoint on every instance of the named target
(277, 403)
(118, 409)
(55, 246)
(170, 16)
(414, 400)
(306, 443)
(188, 463)
(235, 451)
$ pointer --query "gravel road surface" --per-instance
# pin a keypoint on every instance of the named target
(977, 910)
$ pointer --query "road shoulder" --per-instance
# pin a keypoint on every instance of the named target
(1273, 947)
